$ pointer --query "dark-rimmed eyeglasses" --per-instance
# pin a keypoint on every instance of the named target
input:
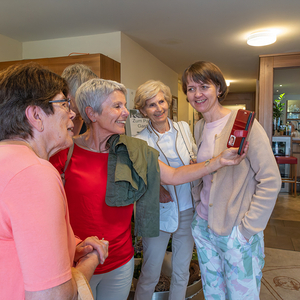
(66, 103)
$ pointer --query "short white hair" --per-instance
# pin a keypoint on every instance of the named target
(93, 93)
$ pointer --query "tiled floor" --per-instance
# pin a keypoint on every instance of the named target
(283, 230)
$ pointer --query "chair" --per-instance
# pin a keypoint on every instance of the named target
(290, 160)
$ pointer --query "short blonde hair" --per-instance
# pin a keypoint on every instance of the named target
(150, 89)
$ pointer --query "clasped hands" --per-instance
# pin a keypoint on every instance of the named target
(91, 245)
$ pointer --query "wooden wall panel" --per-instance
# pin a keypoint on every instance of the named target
(286, 61)
(265, 94)
(101, 65)
(110, 69)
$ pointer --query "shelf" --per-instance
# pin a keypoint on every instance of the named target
(293, 115)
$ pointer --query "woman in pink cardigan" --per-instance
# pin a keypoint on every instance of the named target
(235, 202)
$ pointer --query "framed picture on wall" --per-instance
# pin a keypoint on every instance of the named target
(174, 109)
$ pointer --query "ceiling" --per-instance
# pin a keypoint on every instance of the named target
(177, 32)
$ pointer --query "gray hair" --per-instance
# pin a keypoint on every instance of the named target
(93, 93)
(76, 75)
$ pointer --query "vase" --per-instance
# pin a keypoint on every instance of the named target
(276, 124)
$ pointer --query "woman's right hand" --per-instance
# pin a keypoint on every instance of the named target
(230, 156)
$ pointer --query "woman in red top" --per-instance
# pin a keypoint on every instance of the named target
(102, 105)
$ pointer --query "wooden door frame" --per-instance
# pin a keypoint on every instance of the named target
(267, 64)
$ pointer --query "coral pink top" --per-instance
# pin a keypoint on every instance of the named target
(37, 244)
(85, 186)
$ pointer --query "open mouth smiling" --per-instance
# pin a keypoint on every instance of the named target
(200, 101)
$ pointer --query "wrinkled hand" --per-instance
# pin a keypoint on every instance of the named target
(81, 251)
(230, 156)
(88, 245)
(164, 195)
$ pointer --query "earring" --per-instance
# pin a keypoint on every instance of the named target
(94, 121)
(42, 128)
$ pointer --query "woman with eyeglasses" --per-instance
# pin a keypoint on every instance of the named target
(37, 244)
(107, 172)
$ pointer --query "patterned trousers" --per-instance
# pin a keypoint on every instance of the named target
(231, 267)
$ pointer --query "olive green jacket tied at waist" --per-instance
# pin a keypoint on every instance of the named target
(133, 176)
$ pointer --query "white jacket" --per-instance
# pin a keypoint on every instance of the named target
(169, 212)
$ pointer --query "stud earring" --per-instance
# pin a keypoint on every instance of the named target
(42, 128)
(94, 121)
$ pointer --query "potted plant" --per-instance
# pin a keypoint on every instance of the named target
(278, 107)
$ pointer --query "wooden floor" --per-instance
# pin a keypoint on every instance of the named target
(283, 230)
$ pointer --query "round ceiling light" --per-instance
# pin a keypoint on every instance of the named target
(262, 38)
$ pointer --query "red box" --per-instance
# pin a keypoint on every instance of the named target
(240, 129)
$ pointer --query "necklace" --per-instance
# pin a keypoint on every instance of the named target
(84, 141)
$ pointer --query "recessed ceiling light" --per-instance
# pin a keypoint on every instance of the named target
(261, 38)
(228, 82)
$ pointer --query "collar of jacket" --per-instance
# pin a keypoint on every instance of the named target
(134, 147)
(152, 130)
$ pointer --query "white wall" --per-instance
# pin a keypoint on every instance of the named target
(139, 65)
(10, 49)
(108, 44)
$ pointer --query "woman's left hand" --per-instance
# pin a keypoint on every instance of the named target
(164, 195)
(82, 250)
(230, 156)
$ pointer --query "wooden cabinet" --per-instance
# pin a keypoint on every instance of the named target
(101, 65)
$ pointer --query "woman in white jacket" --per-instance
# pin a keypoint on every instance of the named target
(175, 143)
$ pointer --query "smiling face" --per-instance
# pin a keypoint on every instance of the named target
(59, 126)
(156, 109)
(114, 114)
(203, 97)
